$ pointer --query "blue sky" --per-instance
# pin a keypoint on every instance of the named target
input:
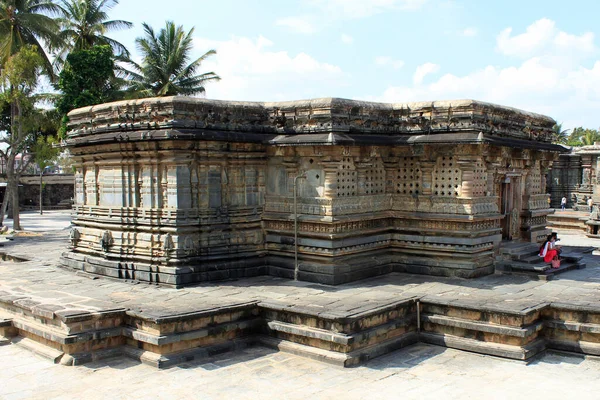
(541, 56)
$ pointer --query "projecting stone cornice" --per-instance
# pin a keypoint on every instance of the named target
(271, 122)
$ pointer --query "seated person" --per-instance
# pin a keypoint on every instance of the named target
(549, 249)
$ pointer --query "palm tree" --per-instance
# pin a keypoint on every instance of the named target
(84, 24)
(589, 138)
(560, 136)
(165, 70)
(28, 22)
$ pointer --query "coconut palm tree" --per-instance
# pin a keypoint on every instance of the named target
(84, 24)
(589, 138)
(559, 135)
(165, 69)
(28, 22)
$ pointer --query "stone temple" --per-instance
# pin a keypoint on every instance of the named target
(180, 190)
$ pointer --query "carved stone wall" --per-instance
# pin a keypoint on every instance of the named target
(180, 191)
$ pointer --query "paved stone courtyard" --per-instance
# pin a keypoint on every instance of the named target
(419, 371)
(42, 282)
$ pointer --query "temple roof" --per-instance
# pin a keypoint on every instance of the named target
(303, 121)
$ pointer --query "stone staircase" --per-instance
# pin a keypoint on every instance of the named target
(521, 258)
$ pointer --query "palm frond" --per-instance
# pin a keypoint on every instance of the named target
(166, 68)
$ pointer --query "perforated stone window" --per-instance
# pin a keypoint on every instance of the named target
(375, 178)
(535, 180)
(408, 179)
(479, 180)
(447, 178)
(346, 178)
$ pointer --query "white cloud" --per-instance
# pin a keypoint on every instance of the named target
(572, 97)
(424, 70)
(469, 32)
(323, 12)
(346, 39)
(543, 38)
(553, 78)
(583, 43)
(297, 24)
(365, 8)
(250, 70)
(388, 61)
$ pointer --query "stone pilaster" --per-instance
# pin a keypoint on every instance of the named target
(391, 169)
(427, 177)
(361, 174)
(331, 185)
(467, 167)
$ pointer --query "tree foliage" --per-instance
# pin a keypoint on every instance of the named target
(583, 137)
(87, 79)
(19, 80)
(166, 69)
(560, 136)
(28, 22)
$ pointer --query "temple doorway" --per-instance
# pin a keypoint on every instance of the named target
(510, 208)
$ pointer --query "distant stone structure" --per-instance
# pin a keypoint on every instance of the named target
(180, 190)
(57, 191)
(576, 176)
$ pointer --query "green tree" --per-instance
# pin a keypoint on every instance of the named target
(166, 69)
(19, 80)
(87, 79)
(85, 23)
(28, 22)
(590, 138)
(582, 137)
(560, 136)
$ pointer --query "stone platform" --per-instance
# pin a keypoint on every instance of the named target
(568, 220)
(74, 319)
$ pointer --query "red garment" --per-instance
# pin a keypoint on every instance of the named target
(550, 254)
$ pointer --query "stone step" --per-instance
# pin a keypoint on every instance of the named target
(477, 346)
(540, 270)
(192, 354)
(510, 248)
(41, 350)
(534, 259)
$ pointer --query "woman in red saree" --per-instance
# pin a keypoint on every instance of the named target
(549, 250)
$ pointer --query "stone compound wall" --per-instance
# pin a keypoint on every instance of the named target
(57, 191)
(180, 190)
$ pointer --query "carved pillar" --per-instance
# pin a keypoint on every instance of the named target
(528, 179)
(586, 175)
(361, 173)
(467, 167)
(194, 184)
(490, 168)
(427, 177)
(545, 171)
(391, 169)
(330, 170)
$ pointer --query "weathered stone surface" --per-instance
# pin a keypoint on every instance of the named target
(194, 190)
